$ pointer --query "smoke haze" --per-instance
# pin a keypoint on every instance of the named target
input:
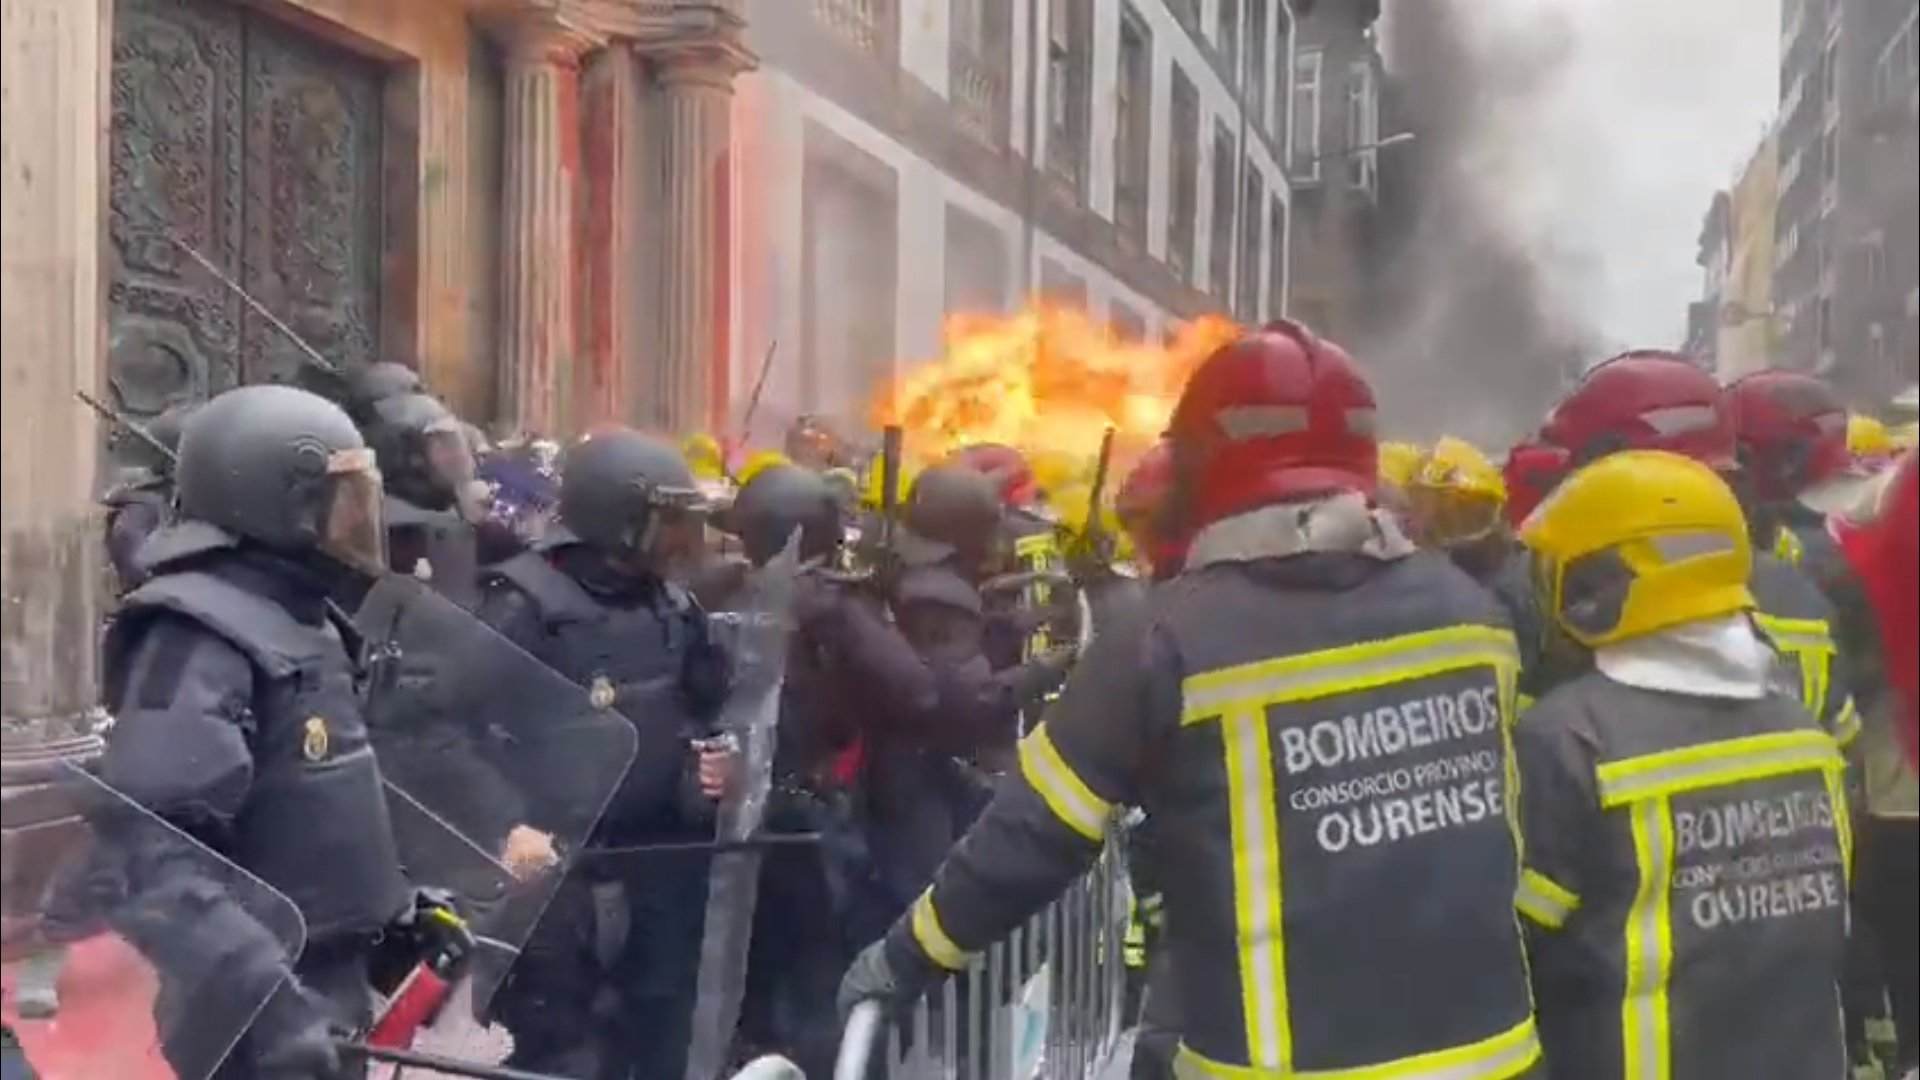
(1548, 214)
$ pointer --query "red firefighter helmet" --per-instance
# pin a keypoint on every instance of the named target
(1274, 416)
(1141, 506)
(1532, 470)
(1881, 542)
(1791, 432)
(1648, 399)
(1006, 467)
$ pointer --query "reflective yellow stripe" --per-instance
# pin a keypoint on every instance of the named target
(1238, 697)
(1846, 725)
(1060, 787)
(932, 937)
(1507, 1054)
(1523, 702)
(1344, 669)
(1842, 818)
(1787, 547)
(1643, 1012)
(1545, 900)
(1715, 763)
(1254, 825)
(1810, 643)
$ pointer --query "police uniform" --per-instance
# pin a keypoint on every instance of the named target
(1687, 862)
(1323, 739)
(609, 974)
(238, 721)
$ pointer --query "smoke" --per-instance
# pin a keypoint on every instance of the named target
(1548, 214)
(1479, 318)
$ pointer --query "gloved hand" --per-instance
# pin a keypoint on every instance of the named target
(295, 1038)
(434, 930)
(895, 977)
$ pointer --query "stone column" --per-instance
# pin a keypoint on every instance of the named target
(540, 144)
(696, 79)
(54, 56)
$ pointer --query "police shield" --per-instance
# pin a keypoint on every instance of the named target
(497, 767)
(756, 636)
(129, 949)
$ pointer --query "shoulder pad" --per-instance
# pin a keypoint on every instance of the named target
(557, 597)
(177, 541)
(255, 625)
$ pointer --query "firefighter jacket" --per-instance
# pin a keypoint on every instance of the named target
(1687, 863)
(1322, 738)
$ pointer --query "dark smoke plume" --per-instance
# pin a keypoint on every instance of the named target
(1477, 327)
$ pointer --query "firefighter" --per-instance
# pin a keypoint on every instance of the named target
(1876, 541)
(1687, 839)
(1656, 400)
(1456, 496)
(1322, 915)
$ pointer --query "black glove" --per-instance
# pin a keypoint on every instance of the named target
(295, 1037)
(895, 976)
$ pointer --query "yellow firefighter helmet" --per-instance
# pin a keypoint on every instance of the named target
(1636, 542)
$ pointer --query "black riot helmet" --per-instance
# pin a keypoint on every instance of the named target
(287, 469)
(952, 511)
(628, 495)
(780, 499)
(375, 383)
(424, 453)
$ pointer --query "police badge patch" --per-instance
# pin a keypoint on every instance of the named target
(314, 746)
(600, 693)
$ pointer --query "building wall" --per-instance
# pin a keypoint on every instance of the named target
(889, 112)
(1747, 338)
(1334, 218)
(1843, 228)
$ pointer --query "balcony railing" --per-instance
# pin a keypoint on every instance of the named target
(868, 25)
(977, 89)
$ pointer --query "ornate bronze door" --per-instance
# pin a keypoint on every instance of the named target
(259, 146)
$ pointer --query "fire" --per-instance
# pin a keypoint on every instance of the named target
(1047, 380)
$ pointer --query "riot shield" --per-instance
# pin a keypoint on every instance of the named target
(756, 637)
(128, 949)
(497, 766)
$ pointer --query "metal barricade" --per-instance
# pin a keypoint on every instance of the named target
(1046, 1002)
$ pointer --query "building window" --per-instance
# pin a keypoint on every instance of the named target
(1829, 164)
(980, 55)
(1184, 207)
(1306, 116)
(869, 25)
(1256, 90)
(1277, 113)
(1062, 286)
(1276, 259)
(1830, 75)
(1873, 259)
(1226, 36)
(1220, 250)
(1068, 39)
(1363, 121)
(1132, 126)
(1125, 324)
(1823, 324)
(1246, 291)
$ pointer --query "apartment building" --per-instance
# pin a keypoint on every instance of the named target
(900, 160)
(1843, 285)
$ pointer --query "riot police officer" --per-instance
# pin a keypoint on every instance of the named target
(433, 500)
(140, 502)
(1306, 651)
(234, 689)
(605, 987)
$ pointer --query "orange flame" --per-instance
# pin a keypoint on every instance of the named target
(1047, 380)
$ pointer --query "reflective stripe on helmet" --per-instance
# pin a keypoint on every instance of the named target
(1500, 1056)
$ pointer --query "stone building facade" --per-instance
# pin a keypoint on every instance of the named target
(526, 200)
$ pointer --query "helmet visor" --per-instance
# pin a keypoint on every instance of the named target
(354, 528)
(676, 524)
